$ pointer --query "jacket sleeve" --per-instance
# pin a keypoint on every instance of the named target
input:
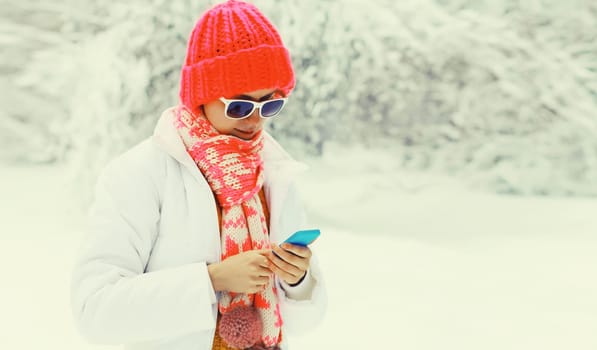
(304, 305)
(113, 300)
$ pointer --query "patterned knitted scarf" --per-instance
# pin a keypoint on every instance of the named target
(233, 169)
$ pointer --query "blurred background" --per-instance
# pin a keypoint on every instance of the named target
(502, 94)
(455, 139)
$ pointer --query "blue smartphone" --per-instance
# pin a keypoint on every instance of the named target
(303, 237)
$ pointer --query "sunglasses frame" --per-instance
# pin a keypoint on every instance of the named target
(255, 104)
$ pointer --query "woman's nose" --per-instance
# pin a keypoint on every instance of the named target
(254, 118)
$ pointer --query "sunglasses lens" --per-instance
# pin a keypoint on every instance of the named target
(239, 109)
(270, 109)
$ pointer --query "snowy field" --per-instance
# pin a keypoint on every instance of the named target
(413, 262)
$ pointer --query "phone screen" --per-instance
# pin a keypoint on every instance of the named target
(303, 237)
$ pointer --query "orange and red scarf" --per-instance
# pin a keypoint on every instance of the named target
(234, 170)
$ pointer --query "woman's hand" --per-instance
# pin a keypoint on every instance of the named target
(247, 272)
(290, 262)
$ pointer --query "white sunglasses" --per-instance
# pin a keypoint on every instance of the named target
(241, 109)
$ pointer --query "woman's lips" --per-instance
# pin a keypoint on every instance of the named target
(246, 132)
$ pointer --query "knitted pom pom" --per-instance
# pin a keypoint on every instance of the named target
(241, 327)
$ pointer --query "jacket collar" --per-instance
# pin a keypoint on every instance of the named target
(277, 162)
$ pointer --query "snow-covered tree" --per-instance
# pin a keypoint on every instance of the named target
(501, 93)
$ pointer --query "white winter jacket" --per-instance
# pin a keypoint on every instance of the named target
(141, 276)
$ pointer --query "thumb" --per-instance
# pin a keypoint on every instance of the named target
(263, 252)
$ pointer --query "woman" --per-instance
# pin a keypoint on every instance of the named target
(183, 249)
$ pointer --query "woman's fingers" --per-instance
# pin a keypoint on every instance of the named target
(288, 277)
(291, 258)
(278, 260)
(260, 280)
(301, 251)
(251, 271)
(287, 256)
(290, 262)
(264, 271)
(261, 257)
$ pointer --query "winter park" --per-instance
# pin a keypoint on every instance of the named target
(449, 154)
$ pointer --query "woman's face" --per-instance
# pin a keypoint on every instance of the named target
(243, 128)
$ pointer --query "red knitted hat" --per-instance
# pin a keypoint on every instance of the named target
(233, 49)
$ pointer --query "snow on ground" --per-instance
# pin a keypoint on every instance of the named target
(412, 261)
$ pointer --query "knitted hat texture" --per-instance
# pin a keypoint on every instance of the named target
(233, 49)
